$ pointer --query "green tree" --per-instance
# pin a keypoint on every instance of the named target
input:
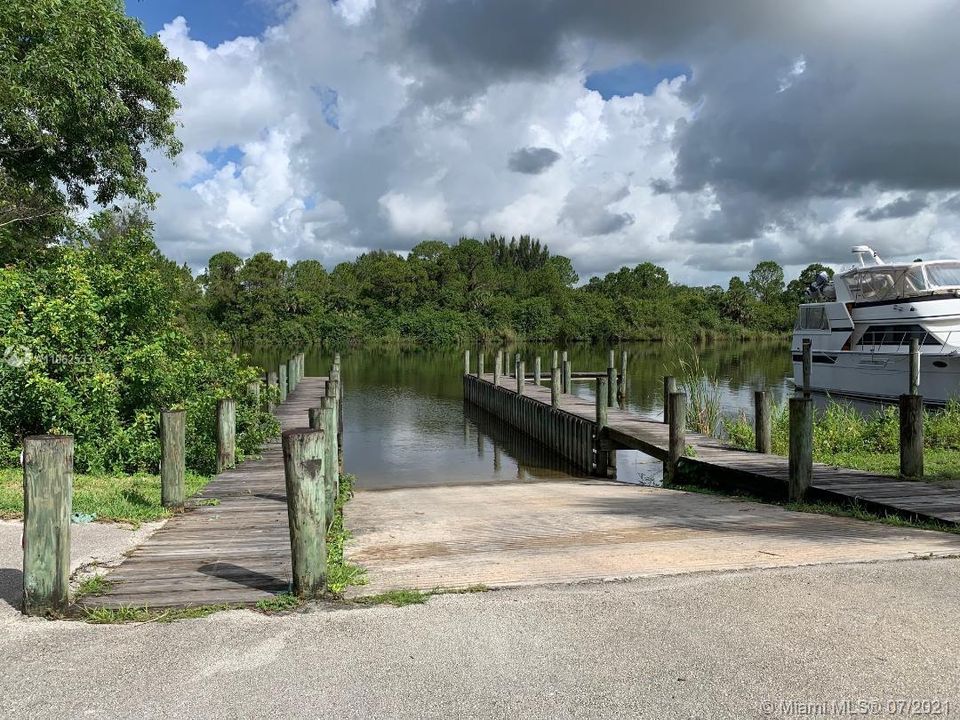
(83, 93)
(766, 281)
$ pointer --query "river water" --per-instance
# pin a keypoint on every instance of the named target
(406, 424)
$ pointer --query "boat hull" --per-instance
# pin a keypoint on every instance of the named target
(880, 376)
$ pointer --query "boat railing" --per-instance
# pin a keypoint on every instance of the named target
(942, 341)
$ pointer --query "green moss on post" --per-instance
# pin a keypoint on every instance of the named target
(282, 381)
(292, 374)
(226, 434)
(47, 505)
(173, 469)
(303, 451)
(329, 407)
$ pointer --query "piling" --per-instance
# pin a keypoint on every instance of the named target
(669, 386)
(602, 392)
(555, 387)
(282, 381)
(292, 373)
(466, 362)
(801, 448)
(911, 437)
(761, 422)
(329, 407)
(521, 376)
(480, 364)
(536, 370)
(497, 367)
(47, 506)
(677, 404)
(272, 380)
(914, 388)
(556, 360)
(173, 469)
(611, 380)
(226, 434)
(807, 366)
(567, 374)
(303, 451)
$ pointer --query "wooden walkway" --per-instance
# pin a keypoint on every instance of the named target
(236, 552)
(627, 430)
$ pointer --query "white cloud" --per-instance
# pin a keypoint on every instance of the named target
(416, 217)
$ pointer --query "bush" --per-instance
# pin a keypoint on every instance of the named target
(96, 346)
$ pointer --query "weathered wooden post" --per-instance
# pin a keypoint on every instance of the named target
(555, 387)
(253, 392)
(334, 390)
(807, 366)
(911, 421)
(292, 374)
(47, 506)
(761, 422)
(480, 364)
(601, 401)
(677, 404)
(611, 380)
(303, 451)
(226, 434)
(669, 386)
(516, 364)
(801, 448)
(521, 373)
(466, 362)
(497, 368)
(272, 381)
(330, 407)
(173, 469)
(556, 359)
(567, 373)
(536, 370)
(282, 381)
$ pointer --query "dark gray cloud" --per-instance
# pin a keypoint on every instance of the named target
(532, 160)
(900, 208)
(587, 210)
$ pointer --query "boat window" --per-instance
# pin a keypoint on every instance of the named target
(944, 274)
(813, 318)
(897, 335)
(874, 284)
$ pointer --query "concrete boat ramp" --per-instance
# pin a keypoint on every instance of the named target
(535, 533)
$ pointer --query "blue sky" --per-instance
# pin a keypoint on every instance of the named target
(637, 77)
(212, 21)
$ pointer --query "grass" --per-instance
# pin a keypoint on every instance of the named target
(402, 598)
(92, 586)
(279, 603)
(341, 574)
(124, 615)
(844, 437)
(132, 499)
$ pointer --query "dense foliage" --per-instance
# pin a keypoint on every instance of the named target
(442, 294)
(83, 93)
(97, 343)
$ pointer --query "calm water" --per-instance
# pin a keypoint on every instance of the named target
(406, 423)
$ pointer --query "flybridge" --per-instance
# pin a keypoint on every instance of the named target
(873, 280)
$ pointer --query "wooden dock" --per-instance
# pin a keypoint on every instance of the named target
(236, 552)
(753, 470)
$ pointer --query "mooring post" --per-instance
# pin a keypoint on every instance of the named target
(807, 366)
(612, 379)
(272, 381)
(801, 448)
(556, 359)
(480, 364)
(292, 373)
(282, 381)
(226, 434)
(555, 387)
(536, 370)
(497, 368)
(303, 451)
(567, 373)
(253, 392)
(914, 388)
(601, 401)
(677, 404)
(516, 365)
(911, 437)
(761, 422)
(622, 381)
(669, 386)
(521, 373)
(466, 362)
(329, 408)
(173, 469)
(47, 506)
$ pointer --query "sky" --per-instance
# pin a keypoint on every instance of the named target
(701, 136)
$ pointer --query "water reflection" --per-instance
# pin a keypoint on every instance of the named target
(407, 424)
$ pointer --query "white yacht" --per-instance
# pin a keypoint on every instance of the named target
(861, 326)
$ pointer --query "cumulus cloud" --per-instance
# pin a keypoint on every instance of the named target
(532, 160)
(356, 124)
